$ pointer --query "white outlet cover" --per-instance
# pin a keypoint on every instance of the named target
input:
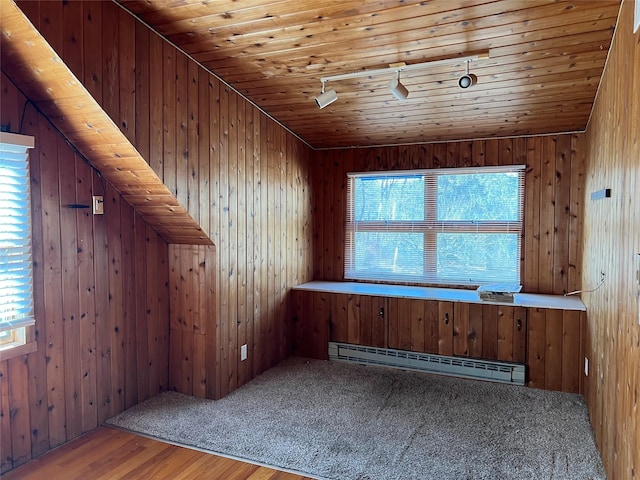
(243, 352)
(586, 366)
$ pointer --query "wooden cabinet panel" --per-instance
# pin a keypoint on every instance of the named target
(549, 342)
(339, 321)
(460, 329)
(445, 328)
(311, 321)
(420, 326)
(358, 319)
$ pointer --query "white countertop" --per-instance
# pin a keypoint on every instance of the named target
(531, 300)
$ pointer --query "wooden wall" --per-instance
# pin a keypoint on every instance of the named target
(101, 302)
(551, 261)
(243, 177)
(553, 205)
(612, 246)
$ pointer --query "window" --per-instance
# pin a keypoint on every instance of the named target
(16, 268)
(459, 226)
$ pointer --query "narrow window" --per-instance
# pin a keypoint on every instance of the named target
(459, 226)
(16, 267)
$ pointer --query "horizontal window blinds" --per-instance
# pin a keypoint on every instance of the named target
(16, 267)
(459, 226)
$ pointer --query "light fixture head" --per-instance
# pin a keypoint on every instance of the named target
(398, 89)
(467, 80)
(326, 98)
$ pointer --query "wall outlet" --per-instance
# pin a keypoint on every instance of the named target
(243, 352)
(98, 205)
(586, 367)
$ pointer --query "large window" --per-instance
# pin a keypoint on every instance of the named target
(458, 226)
(16, 268)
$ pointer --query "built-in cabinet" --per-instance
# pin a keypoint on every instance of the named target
(446, 328)
(549, 341)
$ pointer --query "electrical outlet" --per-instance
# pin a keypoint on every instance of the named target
(586, 367)
(98, 205)
(243, 352)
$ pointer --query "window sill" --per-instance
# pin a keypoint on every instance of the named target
(28, 347)
(529, 300)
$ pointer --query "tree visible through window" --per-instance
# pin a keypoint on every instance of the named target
(444, 226)
(16, 268)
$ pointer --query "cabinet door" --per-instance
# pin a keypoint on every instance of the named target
(359, 319)
(420, 325)
(311, 324)
(493, 332)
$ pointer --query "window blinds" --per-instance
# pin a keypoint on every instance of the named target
(16, 268)
(459, 226)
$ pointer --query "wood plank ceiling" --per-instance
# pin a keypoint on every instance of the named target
(546, 59)
(52, 87)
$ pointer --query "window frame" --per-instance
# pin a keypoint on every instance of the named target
(429, 226)
(22, 337)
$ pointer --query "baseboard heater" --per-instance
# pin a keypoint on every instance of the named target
(494, 371)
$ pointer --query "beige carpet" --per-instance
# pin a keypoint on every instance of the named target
(343, 421)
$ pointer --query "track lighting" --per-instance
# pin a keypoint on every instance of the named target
(468, 79)
(326, 98)
(398, 89)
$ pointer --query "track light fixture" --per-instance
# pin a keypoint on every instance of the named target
(398, 89)
(326, 98)
(468, 79)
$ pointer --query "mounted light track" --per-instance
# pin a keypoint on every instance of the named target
(398, 89)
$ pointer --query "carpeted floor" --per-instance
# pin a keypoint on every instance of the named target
(343, 421)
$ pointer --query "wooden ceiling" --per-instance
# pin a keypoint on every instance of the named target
(44, 78)
(546, 59)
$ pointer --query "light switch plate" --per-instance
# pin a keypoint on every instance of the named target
(98, 205)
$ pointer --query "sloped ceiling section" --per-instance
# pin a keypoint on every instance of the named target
(30, 62)
(546, 59)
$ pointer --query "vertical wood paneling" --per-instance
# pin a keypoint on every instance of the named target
(70, 286)
(244, 178)
(65, 388)
(87, 310)
(551, 235)
(114, 272)
(612, 245)
(101, 267)
(19, 410)
(6, 453)
(38, 390)
(52, 280)
(191, 325)
(550, 247)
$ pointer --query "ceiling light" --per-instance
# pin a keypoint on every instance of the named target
(326, 98)
(398, 89)
(468, 79)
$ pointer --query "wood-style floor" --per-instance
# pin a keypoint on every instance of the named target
(108, 453)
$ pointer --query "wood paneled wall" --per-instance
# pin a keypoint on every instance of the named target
(243, 177)
(101, 302)
(553, 205)
(612, 246)
(192, 334)
(551, 261)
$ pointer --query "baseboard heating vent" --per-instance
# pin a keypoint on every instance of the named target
(503, 372)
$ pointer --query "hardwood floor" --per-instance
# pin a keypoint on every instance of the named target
(108, 453)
